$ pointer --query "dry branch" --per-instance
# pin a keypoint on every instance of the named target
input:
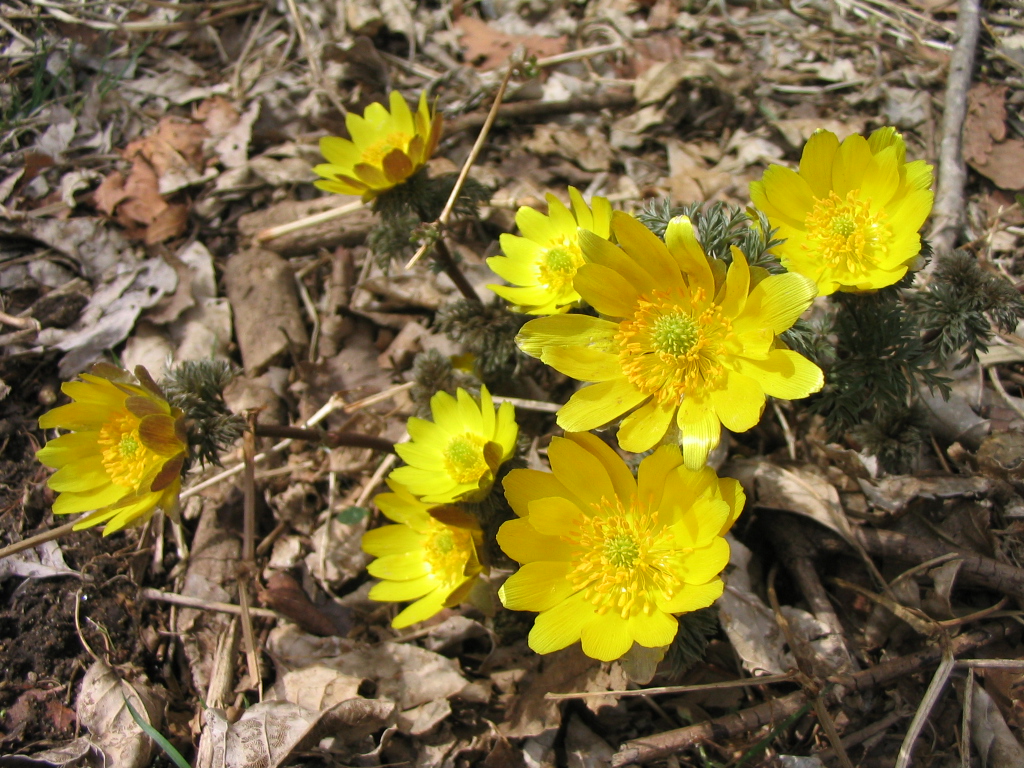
(949, 196)
(662, 745)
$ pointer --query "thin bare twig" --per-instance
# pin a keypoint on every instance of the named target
(478, 146)
(747, 682)
(148, 593)
(947, 214)
(657, 746)
(931, 697)
(248, 565)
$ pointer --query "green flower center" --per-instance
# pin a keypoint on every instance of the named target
(846, 234)
(464, 458)
(124, 457)
(624, 560)
(557, 267)
(675, 333)
(843, 226)
(559, 260)
(674, 344)
(621, 550)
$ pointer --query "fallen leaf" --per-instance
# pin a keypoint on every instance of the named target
(486, 48)
(985, 145)
(268, 733)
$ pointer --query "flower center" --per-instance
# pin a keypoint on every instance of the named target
(846, 234)
(675, 333)
(558, 265)
(464, 458)
(672, 345)
(624, 560)
(447, 550)
(124, 456)
(375, 153)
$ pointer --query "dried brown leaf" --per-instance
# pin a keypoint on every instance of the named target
(487, 48)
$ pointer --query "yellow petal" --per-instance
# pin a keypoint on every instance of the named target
(392, 540)
(70, 503)
(737, 285)
(537, 227)
(339, 151)
(583, 363)
(555, 516)
(705, 563)
(469, 413)
(789, 193)
(521, 541)
(776, 303)
(785, 374)
(605, 290)
(566, 331)
(524, 485)
(401, 567)
(653, 631)
(646, 249)
(536, 587)
(652, 473)
(561, 625)
(67, 448)
(693, 597)
(421, 610)
(618, 472)
(739, 403)
(401, 115)
(733, 496)
(646, 426)
(395, 591)
(597, 250)
(701, 430)
(816, 162)
(80, 476)
(682, 243)
(852, 159)
(606, 637)
(580, 471)
(597, 404)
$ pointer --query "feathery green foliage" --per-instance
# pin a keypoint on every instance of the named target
(881, 361)
(197, 387)
(961, 304)
(691, 640)
(488, 333)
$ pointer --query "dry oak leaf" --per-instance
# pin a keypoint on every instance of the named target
(487, 48)
(985, 146)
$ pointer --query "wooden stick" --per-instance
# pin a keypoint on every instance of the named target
(948, 212)
(39, 538)
(661, 745)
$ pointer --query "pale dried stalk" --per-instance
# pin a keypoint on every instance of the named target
(473, 154)
(931, 696)
(747, 682)
(148, 593)
(271, 233)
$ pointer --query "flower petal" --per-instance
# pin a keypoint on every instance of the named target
(739, 403)
(561, 625)
(392, 540)
(693, 597)
(646, 426)
(785, 374)
(621, 477)
(421, 610)
(816, 162)
(395, 591)
(520, 540)
(701, 431)
(524, 485)
(607, 637)
(536, 587)
(653, 630)
(597, 404)
(580, 471)
(605, 290)
(682, 243)
(566, 331)
(583, 363)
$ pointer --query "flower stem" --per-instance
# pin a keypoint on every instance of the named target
(39, 538)
(327, 439)
(451, 268)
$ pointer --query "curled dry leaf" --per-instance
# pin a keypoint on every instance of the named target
(268, 733)
(113, 735)
(488, 48)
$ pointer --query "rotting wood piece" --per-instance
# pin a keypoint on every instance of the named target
(268, 322)
(661, 745)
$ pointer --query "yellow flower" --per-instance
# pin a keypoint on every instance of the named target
(543, 262)
(430, 556)
(386, 148)
(607, 559)
(123, 456)
(851, 215)
(679, 340)
(455, 457)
